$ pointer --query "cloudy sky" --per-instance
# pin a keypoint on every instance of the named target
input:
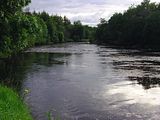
(88, 11)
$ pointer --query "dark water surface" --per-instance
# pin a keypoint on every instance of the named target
(88, 82)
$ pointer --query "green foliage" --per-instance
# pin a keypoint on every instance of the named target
(21, 30)
(10, 7)
(42, 31)
(61, 37)
(77, 31)
(139, 26)
(11, 106)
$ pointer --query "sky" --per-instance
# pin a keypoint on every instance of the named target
(88, 11)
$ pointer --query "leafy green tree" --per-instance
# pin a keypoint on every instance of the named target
(42, 32)
(10, 7)
(20, 30)
(139, 26)
(67, 28)
(77, 31)
(61, 37)
(151, 31)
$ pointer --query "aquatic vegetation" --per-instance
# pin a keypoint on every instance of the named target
(50, 116)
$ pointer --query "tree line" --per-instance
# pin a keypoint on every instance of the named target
(137, 27)
(20, 29)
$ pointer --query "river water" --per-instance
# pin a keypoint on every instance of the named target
(88, 82)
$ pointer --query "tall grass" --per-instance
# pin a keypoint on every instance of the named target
(11, 106)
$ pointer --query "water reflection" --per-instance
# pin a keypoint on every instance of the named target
(142, 69)
(134, 94)
(146, 82)
(13, 71)
(96, 83)
(87, 82)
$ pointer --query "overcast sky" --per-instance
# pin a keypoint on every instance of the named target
(88, 11)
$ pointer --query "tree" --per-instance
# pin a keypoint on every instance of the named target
(10, 7)
(139, 26)
(21, 29)
(77, 31)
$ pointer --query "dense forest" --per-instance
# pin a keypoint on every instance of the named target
(20, 29)
(138, 27)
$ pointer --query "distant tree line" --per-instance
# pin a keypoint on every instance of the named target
(139, 26)
(20, 30)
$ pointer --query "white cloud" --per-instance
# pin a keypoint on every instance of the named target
(88, 11)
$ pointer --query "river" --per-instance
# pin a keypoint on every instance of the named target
(79, 81)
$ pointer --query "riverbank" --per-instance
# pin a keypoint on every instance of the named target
(11, 106)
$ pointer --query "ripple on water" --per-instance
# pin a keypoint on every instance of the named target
(89, 82)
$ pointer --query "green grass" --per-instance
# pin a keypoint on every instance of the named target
(11, 106)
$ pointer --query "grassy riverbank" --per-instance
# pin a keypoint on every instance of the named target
(11, 106)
